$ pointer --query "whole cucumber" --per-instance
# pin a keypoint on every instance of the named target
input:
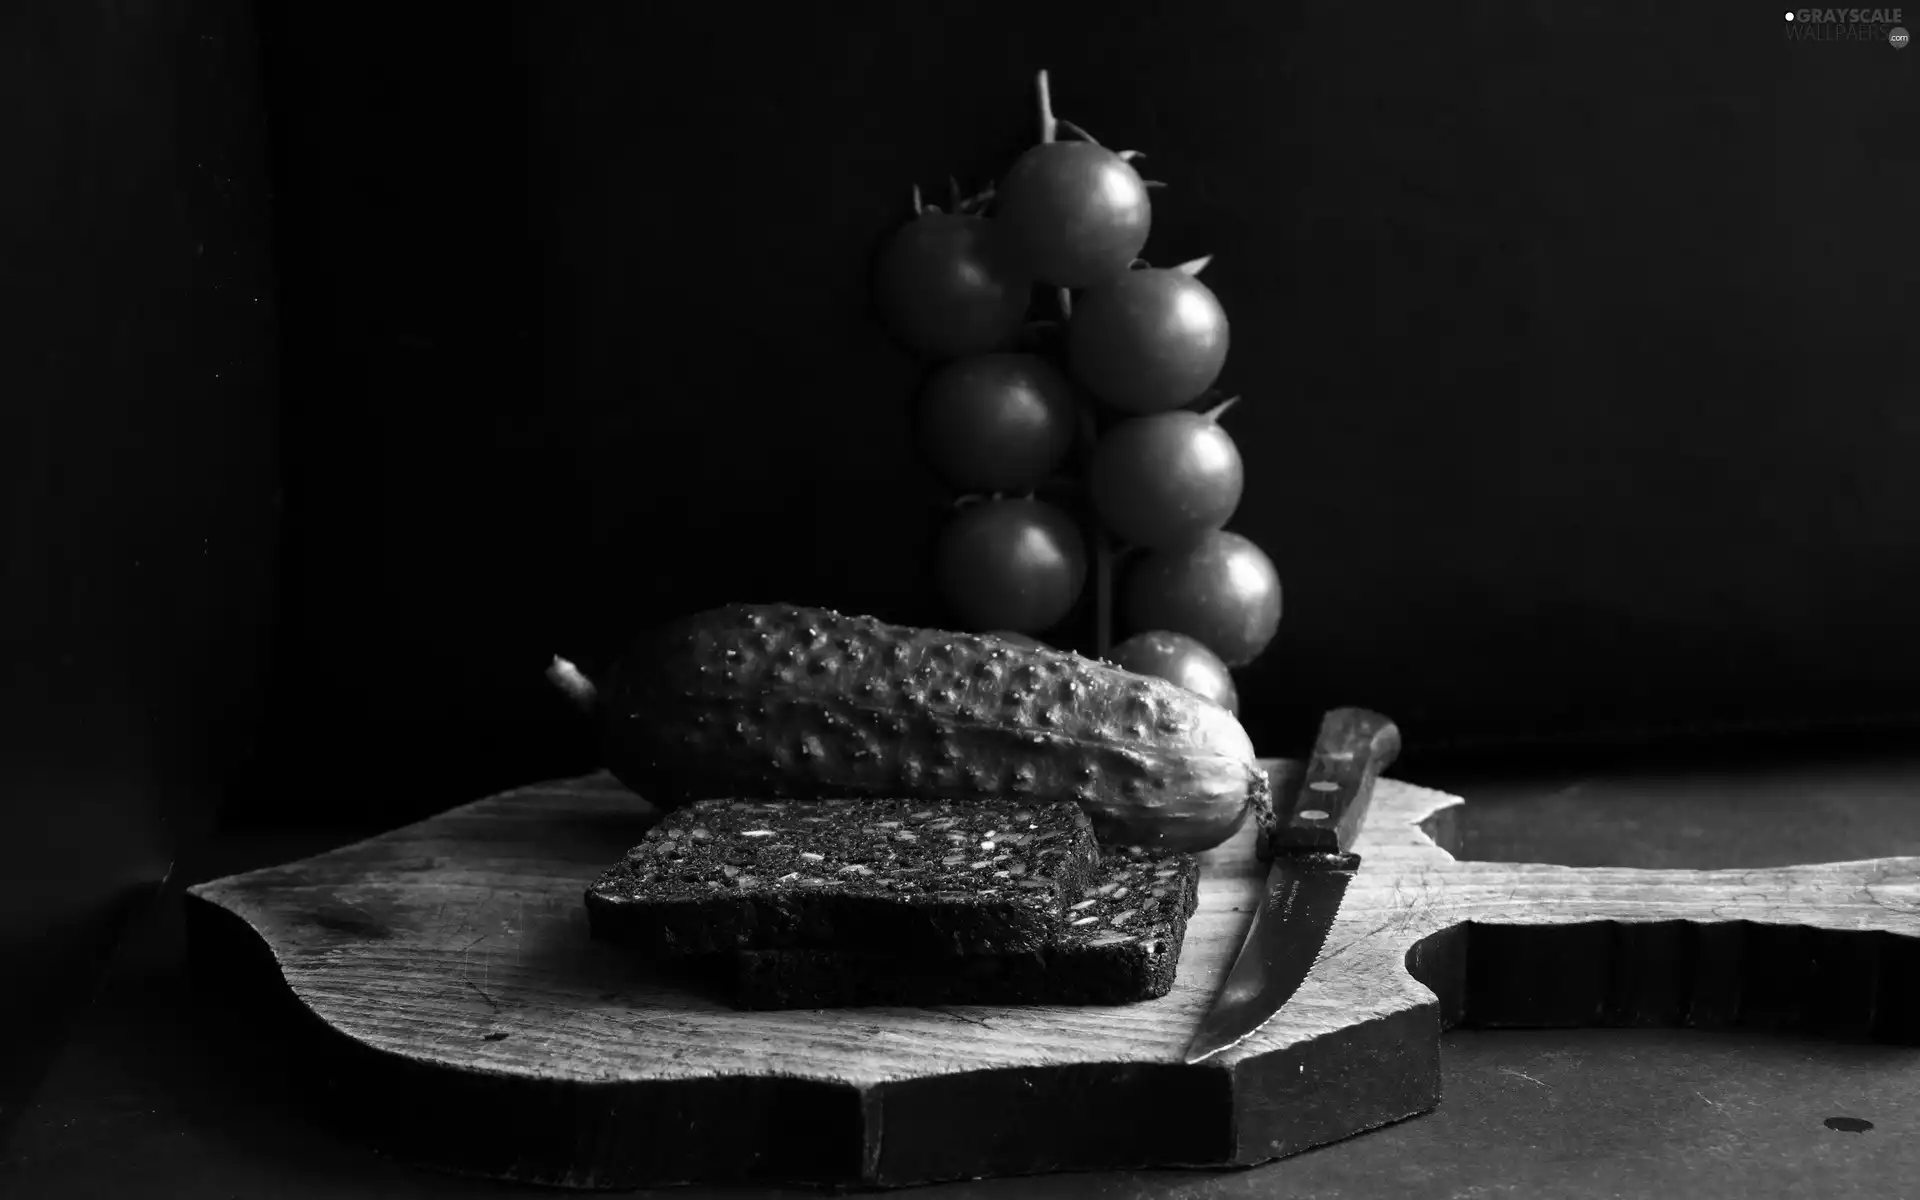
(782, 701)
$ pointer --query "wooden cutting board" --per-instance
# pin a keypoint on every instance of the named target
(460, 1013)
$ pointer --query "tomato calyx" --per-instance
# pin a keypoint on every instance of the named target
(1219, 410)
(971, 499)
(968, 204)
(1192, 266)
(1076, 131)
(1052, 487)
(958, 205)
(1051, 127)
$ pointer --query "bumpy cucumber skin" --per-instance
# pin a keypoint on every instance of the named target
(781, 701)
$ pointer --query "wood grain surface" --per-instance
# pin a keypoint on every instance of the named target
(461, 1014)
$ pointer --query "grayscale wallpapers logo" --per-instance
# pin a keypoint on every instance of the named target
(1847, 25)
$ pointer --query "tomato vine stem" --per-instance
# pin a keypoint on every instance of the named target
(1049, 126)
(1102, 592)
(1100, 544)
(1089, 428)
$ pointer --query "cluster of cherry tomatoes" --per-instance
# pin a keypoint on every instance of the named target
(1125, 376)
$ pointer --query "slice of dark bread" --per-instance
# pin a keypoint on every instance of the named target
(1120, 944)
(909, 878)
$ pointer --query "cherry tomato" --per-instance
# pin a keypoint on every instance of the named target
(948, 285)
(996, 422)
(1162, 481)
(1221, 589)
(1018, 639)
(1147, 341)
(1077, 212)
(1179, 659)
(1011, 564)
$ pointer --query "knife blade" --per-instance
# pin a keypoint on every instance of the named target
(1307, 879)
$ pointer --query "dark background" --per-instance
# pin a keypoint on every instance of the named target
(1574, 348)
(352, 368)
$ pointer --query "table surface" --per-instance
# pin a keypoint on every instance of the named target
(155, 1097)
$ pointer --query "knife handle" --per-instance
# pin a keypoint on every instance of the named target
(1330, 804)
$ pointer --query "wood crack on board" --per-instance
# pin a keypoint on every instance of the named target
(955, 1015)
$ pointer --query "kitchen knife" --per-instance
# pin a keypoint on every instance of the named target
(1309, 876)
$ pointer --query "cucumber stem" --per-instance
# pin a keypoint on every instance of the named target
(576, 686)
